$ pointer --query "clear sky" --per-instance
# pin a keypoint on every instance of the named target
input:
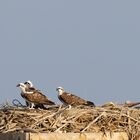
(91, 48)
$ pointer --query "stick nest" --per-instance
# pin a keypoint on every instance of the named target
(112, 118)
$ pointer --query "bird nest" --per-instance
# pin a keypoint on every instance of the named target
(108, 118)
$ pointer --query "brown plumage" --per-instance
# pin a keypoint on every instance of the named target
(29, 88)
(71, 99)
(37, 98)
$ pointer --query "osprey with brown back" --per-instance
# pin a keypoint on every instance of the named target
(71, 99)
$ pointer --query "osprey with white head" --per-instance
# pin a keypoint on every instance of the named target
(60, 90)
(71, 99)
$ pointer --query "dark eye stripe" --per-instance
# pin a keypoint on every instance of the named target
(26, 83)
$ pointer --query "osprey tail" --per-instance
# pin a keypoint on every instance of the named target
(89, 103)
(48, 102)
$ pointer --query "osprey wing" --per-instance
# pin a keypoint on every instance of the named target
(38, 97)
(71, 99)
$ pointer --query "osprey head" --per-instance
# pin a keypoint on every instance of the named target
(28, 84)
(60, 90)
(21, 86)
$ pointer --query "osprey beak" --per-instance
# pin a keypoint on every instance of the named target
(18, 85)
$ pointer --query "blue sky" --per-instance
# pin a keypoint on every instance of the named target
(91, 48)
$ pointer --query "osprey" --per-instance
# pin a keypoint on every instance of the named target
(34, 97)
(71, 99)
(30, 87)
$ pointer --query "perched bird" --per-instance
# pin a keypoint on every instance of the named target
(71, 99)
(34, 97)
(30, 87)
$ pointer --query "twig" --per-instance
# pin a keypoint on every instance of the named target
(49, 116)
(93, 122)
